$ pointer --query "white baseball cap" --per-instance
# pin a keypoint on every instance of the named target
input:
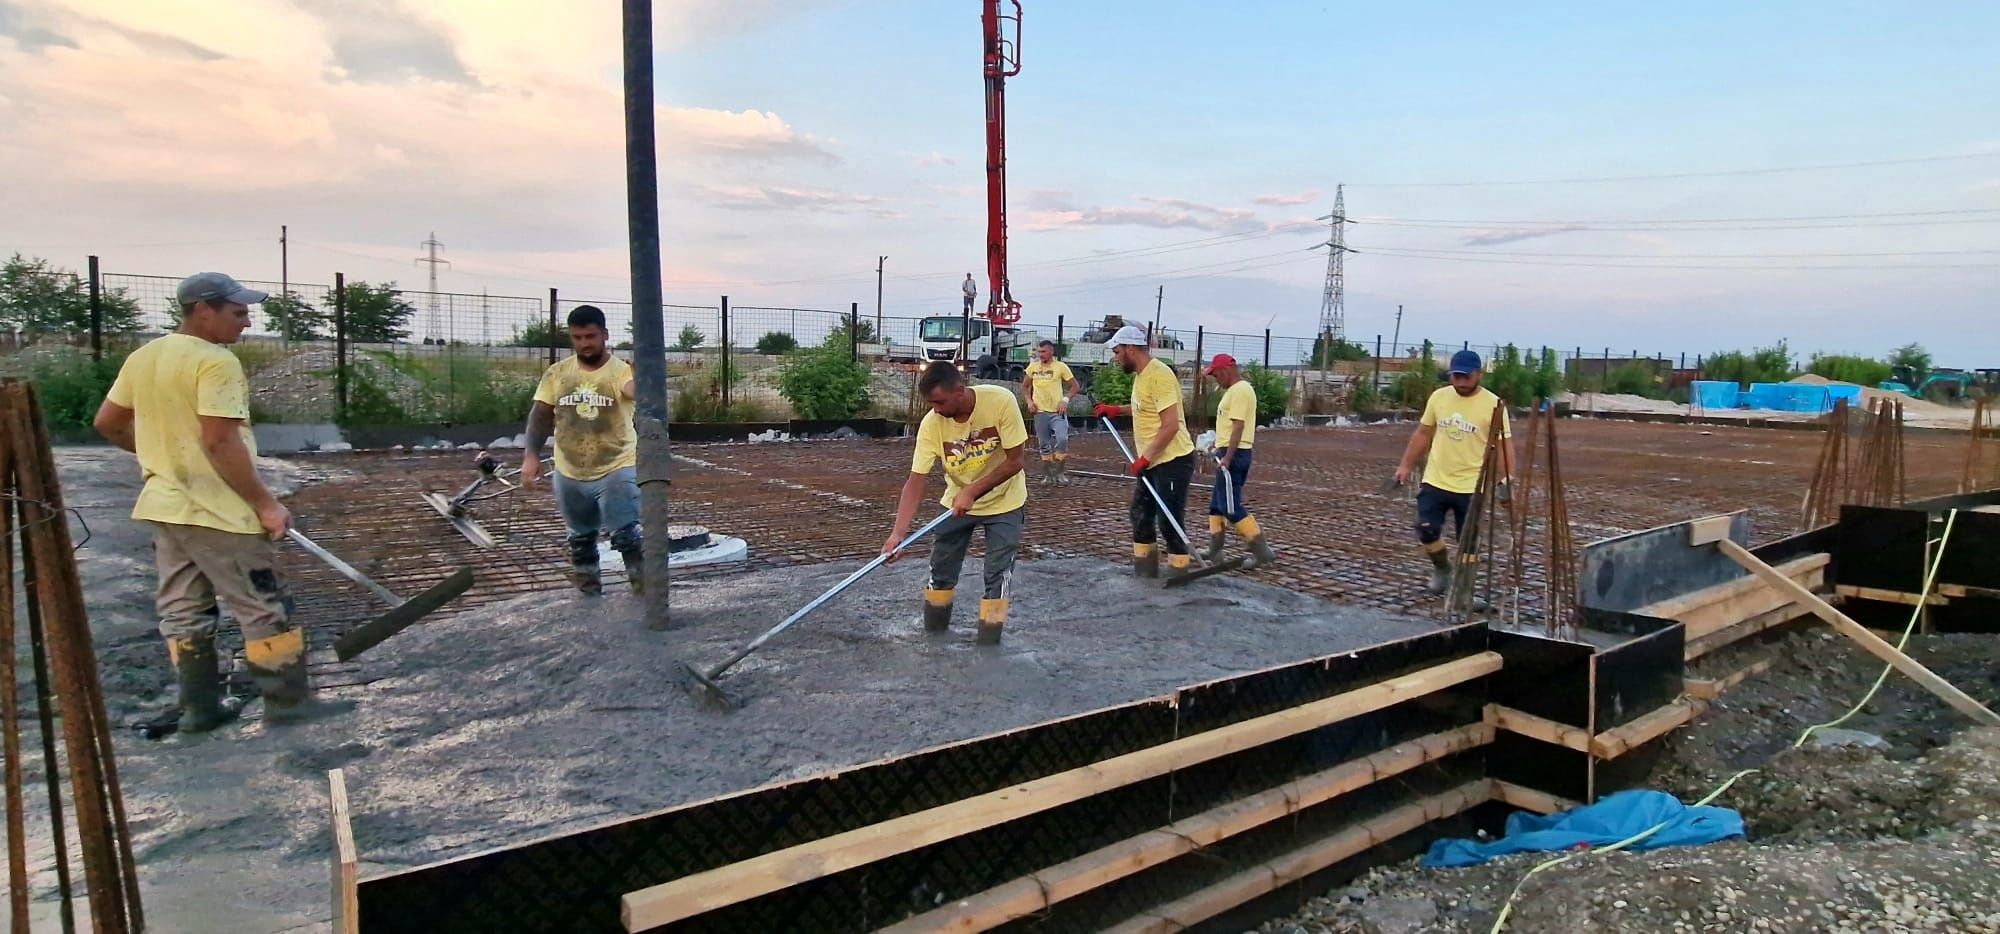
(1130, 335)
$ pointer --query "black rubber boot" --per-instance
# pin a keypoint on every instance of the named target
(1215, 545)
(199, 672)
(583, 573)
(635, 571)
(1440, 573)
(1146, 565)
(937, 610)
(1260, 553)
(992, 616)
(293, 700)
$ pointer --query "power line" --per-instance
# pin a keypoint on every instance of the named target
(1410, 254)
(1667, 176)
(1667, 256)
(1659, 221)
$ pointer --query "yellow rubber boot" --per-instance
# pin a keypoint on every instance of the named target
(937, 610)
(1145, 560)
(1179, 564)
(1440, 568)
(992, 616)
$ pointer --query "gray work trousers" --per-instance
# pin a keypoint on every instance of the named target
(1003, 543)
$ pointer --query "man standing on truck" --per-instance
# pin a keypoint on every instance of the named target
(971, 289)
(1165, 453)
(1236, 423)
(975, 432)
(1457, 422)
(1047, 385)
(586, 402)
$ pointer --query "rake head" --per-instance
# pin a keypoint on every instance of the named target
(704, 689)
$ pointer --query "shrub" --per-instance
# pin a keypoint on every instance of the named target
(777, 344)
(1635, 379)
(376, 314)
(296, 319)
(1764, 365)
(1548, 375)
(824, 383)
(689, 339)
(1858, 370)
(1111, 385)
(1511, 379)
(537, 334)
(1913, 356)
(370, 402)
(71, 389)
(1365, 399)
(1271, 389)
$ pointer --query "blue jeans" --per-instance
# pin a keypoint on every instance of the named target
(1226, 497)
(608, 503)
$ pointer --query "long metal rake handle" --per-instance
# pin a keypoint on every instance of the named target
(346, 570)
(832, 592)
(1165, 513)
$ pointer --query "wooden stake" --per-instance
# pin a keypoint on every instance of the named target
(346, 874)
(688, 896)
(10, 702)
(1868, 641)
(1541, 728)
(1530, 799)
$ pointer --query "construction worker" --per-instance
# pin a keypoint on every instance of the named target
(1164, 454)
(976, 433)
(1236, 420)
(1047, 384)
(182, 404)
(971, 290)
(1456, 425)
(586, 401)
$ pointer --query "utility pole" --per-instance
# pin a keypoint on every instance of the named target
(285, 284)
(649, 344)
(1159, 300)
(433, 332)
(1399, 331)
(1333, 302)
(879, 260)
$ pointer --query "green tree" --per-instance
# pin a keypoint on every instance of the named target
(1861, 371)
(1636, 378)
(1511, 378)
(377, 314)
(1414, 387)
(1771, 364)
(824, 383)
(1342, 350)
(38, 298)
(777, 344)
(1916, 358)
(294, 318)
(537, 334)
(1111, 385)
(866, 329)
(1272, 393)
(690, 339)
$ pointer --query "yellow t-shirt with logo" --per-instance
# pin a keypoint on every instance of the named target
(1239, 403)
(1046, 382)
(1154, 390)
(169, 384)
(594, 433)
(1459, 446)
(972, 447)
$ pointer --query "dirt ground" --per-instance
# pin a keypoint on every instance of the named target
(551, 710)
(1840, 838)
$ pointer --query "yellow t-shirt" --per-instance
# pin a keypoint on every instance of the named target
(594, 433)
(972, 447)
(1459, 446)
(169, 384)
(1154, 390)
(1046, 382)
(1239, 403)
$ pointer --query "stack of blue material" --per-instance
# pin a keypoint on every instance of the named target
(1798, 397)
(1716, 393)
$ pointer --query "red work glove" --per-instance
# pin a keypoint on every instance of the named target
(1104, 410)
(1139, 466)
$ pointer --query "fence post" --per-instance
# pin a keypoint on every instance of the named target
(1267, 347)
(854, 332)
(1200, 385)
(1684, 361)
(1375, 381)
(96, 315)
(1059, 332)
(552, 326)
(722, 375)
(340, 344)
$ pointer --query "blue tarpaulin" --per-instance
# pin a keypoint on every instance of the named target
(1611, 819)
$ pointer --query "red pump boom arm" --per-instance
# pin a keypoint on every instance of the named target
(1003, 61)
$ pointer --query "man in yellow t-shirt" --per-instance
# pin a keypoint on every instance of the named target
(1165, 453)
(976, 433)
(1458, 422)
(1236, 424)
(586, 401)
(1047, 385)
(182, 404)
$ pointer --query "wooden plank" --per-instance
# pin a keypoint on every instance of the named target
(1699, 647)
(1677, 607)
(1712, 609)
(1542, 728)
(1038, 891)
(1529, 799)
(10, 701)
(346, 872)
(1710, 529)
(726, 885)
(1962, 590)
(1618, 741)
(1712, 688)
(1888, 596)
(1868, 641)
(1267, 877)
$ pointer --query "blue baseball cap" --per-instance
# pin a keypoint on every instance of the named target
(1466, 362)
(214, 286)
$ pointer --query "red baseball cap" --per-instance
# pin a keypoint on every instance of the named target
(1218, 362)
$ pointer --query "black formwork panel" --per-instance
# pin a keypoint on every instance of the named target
(572, 882)
(1630, 680)
(1549, 678)
(1971, 500)
(1641, 568)
(1882, 547)
(1823, 540)
(1972, 556)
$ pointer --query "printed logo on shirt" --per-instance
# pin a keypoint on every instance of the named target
(587, 402)
(1457, 427)
(980, 444)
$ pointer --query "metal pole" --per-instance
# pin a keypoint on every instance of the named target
(1376, 380)
(879, 260)
(1059, 332)
(1200, 385)
(1267, 348)
(854, 331)
(1395, 342)
(96, 314)
(285, 282)
(553, 319)
(722, 375)
(649, 346)
(1159, 301)
(340, 342)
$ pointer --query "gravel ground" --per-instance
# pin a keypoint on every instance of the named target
(1841, 838)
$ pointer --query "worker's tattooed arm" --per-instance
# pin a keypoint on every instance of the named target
(541, 424)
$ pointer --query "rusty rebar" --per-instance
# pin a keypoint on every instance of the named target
(10, 709)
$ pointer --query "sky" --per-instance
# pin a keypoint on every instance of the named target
(1670, 178)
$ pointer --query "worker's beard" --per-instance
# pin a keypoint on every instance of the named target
(1128, 364)
(1466, 390)
(593, 358)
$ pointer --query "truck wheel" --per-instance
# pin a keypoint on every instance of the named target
(1017, 373)
(986, 367)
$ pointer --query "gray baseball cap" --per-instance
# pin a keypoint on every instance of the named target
(215, 286)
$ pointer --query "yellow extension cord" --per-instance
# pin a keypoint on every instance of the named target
(1916, 613)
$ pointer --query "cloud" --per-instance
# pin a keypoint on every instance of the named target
(752, 133)
(377, 40)
(1498, 237)
(778, 198)
(935, 159)
(1304, 197)
(1058, 212)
